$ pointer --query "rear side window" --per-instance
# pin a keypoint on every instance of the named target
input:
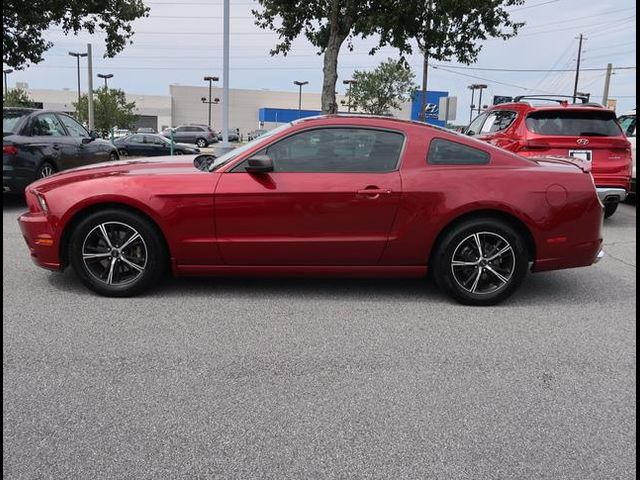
(10, 120)
(573, 123)
(475, 126)
(498, 120)
(628, 124)
(446, 152)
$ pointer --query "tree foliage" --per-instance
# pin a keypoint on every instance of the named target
(24, 23)
(111, 110)
(443, 28)
(16, 97)
(383, 89)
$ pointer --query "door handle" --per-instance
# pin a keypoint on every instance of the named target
(373, 192)
(56, 146)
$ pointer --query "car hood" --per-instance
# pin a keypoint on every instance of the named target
(169, 165)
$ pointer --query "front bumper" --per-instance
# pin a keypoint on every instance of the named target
(611, 194)
(40, 238)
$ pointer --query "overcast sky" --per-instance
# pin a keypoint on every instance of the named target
(181, 42)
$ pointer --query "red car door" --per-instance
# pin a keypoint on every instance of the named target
(331, 200)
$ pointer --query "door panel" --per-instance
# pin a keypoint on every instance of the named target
(305, 218)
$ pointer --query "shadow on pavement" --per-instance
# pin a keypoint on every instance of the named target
(13, 202)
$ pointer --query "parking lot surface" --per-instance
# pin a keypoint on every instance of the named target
(245, 378)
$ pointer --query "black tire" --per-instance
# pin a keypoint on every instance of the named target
(178, 152)
(202, 143)
(610, 208)
(123, 152)
(46, 169)
(119, 280)
(114, 157)
(476, 280)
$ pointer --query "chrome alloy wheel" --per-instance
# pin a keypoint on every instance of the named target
(483, 263)
(114, 253)
(46, 171)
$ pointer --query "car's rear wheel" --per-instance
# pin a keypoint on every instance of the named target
(610, 208)
(123, 152)
(46, 170)
(117, 253)
(480, 261)
(201, 142)
(113, 156)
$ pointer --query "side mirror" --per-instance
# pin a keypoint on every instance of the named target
(204, 162)
(259, 164)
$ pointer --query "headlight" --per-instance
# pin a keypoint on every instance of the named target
(42, 202)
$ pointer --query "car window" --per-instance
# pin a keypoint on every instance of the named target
(446, 152)
(498, 120)
(47, 125)
(573, 123)
(182, 129)
(337, 150)
(475, 126)
(73, 127)
(154, 140)
(11, 119)
(136, 139)
(628, 124)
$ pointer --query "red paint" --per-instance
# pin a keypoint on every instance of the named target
(611, 162)
(371, 224)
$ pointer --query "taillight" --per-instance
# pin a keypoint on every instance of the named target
(9, 150)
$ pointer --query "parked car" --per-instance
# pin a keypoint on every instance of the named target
(201, 135)
(628, 124)
(146, 130)
(333, 195)
(234, 135)
(253, 134)
(151, 146)
(119, 133)
(38, 143)
(586, 131)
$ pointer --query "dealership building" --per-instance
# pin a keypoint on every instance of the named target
(249, 109)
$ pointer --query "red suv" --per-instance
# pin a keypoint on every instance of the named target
(584, 130)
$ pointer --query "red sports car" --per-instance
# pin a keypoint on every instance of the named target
(333, 195)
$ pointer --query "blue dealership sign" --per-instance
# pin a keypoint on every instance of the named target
(431, 106)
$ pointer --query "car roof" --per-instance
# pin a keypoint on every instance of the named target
(525, 107)
(379, 119)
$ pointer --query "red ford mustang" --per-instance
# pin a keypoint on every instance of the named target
(336, 195)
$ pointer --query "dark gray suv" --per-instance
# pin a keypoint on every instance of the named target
(201, 135)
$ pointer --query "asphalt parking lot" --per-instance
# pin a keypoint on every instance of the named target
(218, 378)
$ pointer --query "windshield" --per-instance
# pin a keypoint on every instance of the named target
(10, 120)
(573, 123)
(227, 157)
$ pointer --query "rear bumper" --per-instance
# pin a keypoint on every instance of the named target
(611, 194)
(40, 239)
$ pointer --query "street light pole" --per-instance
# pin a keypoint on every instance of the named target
(349, 82)
(78, 55)
(300, 84)
(6, 72)
(210, 80)
(106, 77)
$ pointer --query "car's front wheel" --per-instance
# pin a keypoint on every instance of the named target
(117, 253)
(610, 208)
(480, 261)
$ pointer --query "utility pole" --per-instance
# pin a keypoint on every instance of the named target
(300, 84)
(575, 85)
(210, 80)
(6, 72)
(90, 88)
(480, 87)
(225, 75)
(607, 81)
(425, 73)
(473, 93)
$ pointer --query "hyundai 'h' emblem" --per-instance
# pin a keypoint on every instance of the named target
(582, 141)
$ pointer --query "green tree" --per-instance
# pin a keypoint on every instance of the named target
(23, 25)
(443, 28)
(111, 110)
(16, 97)
(383, 89)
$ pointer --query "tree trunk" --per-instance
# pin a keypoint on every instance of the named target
(330, 71)
(337, 28)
